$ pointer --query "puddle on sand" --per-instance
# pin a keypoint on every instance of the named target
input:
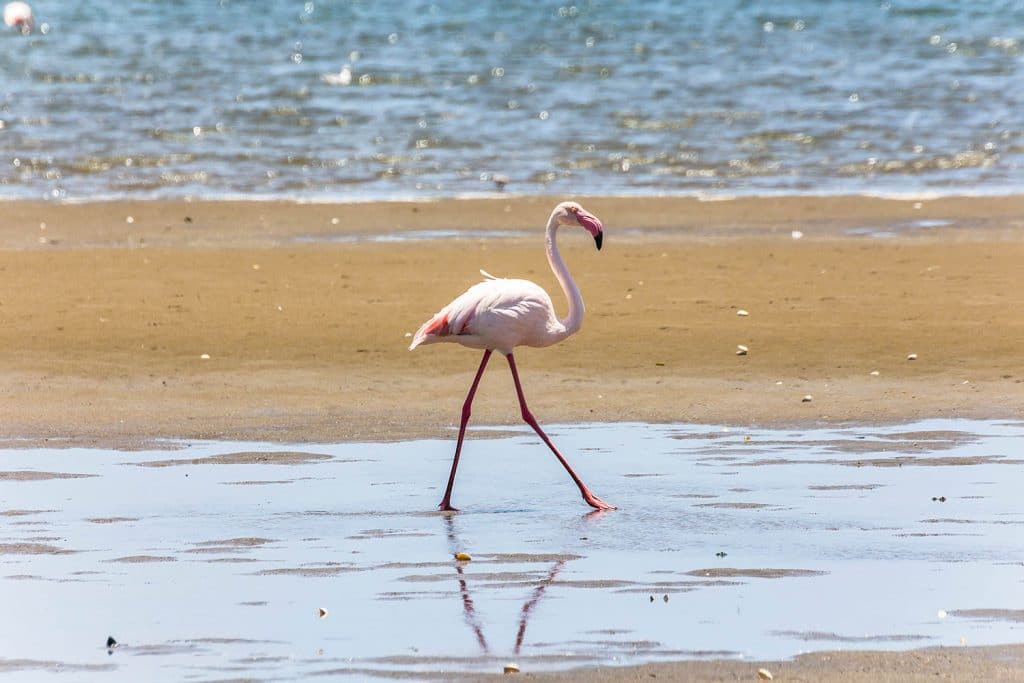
(728, 543)
(896, 229)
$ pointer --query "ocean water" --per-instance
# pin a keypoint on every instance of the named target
(234, 99)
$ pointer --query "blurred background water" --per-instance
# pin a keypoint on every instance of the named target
(246, 99)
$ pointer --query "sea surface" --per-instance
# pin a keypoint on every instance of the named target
(358, 100)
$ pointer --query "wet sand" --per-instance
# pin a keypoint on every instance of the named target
(303, 311)
(264, 564)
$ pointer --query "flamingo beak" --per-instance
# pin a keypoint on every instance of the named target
(591, 224)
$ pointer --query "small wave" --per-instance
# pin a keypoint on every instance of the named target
(961, 160)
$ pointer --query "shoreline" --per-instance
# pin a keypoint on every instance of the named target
(29, 224)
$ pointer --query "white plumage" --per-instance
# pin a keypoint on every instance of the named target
(498, 314)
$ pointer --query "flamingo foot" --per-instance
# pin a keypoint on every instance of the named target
(596, 503)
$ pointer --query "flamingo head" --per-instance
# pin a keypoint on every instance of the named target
(571, 213)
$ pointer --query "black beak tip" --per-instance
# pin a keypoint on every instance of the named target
(598, 239)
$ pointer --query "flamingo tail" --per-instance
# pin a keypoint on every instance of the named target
(431, 330)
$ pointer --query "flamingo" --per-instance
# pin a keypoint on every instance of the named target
(18, 15)
(500, 314)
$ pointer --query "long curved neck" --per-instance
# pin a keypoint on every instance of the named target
(572, 322)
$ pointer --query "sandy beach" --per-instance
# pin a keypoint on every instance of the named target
(303, 310)
(126, 322)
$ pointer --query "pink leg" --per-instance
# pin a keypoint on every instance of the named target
(589, 497)
(446, 502)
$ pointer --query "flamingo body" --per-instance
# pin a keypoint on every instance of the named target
(500, 314)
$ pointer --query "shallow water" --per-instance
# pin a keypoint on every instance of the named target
(210, 560)
(195, 98)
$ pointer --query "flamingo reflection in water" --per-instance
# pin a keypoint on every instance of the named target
(469, 608)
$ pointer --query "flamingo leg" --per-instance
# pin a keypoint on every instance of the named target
(446, 502)
(589, 497)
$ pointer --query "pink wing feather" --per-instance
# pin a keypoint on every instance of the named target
(450, 320)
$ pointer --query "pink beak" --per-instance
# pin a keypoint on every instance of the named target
(591, 224)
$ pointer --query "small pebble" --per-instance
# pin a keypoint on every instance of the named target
(764, 674)
(111, 642)
(130, 219)
(665, 597)
(911, 356)
(321, 612)
(652, 598)
(463, 557)
(742, 312)
(741, 350)
(796, 234)
(874, 373)
(807, 399)
(942, 614)
(205, 356)
(721, 553)
(511, 668)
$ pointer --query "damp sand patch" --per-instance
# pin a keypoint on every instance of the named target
(33, 475)
(243, 458)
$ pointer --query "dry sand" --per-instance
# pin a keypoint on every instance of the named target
(106, 322)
